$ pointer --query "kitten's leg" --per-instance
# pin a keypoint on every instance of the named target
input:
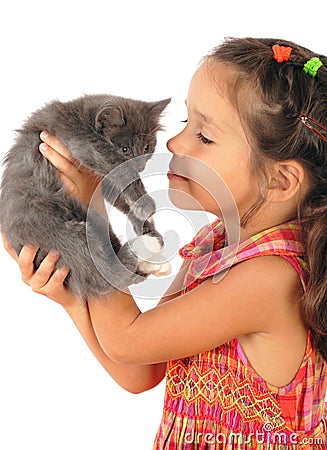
(140, 226)
(134, 194)
(141, 203)
(142, 223)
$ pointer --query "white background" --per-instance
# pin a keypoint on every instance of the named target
(53, 393)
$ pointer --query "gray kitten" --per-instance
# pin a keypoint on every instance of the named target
(101, 132)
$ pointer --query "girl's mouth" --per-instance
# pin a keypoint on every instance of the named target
(175, 176)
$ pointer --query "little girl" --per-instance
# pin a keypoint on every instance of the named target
(244, 358)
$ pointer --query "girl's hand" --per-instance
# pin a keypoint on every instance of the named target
(78, 180)
(45, 280)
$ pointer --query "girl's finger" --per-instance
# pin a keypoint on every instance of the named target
(26, 262)
(55, 288)
(42, 275)
(64, 165)
(57, 145)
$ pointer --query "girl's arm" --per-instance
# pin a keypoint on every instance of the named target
(255, 297)
(134, 378)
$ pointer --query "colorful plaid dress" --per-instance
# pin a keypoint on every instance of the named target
(216, 400)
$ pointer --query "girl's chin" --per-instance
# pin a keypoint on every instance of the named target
(183, 200)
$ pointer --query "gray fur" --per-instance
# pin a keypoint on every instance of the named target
(36, 210)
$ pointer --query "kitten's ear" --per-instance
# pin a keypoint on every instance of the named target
(156, 108)
(109, 117)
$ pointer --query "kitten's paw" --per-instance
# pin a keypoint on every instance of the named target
(147, 249)
(154, 267)
(160, 266)
(145, 246)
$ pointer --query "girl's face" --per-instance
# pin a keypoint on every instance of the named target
(212, 151)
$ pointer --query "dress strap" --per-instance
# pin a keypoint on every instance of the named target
(299, 265)
(207, 260)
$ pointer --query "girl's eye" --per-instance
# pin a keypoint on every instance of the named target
(184, 121)
(203, 139)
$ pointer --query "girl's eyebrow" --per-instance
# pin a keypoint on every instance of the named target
(205, 118)
(208, 120)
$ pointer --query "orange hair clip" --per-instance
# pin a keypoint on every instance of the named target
(281, 53)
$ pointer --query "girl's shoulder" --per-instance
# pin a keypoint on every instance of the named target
(270, 270)
(269, 279)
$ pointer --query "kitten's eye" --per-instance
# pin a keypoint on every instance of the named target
(126, 150)
(147, 148)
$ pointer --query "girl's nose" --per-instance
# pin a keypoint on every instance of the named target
(176, 145)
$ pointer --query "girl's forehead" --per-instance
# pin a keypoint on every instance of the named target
(210, 80)
(209, 91)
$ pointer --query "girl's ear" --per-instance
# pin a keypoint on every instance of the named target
(285, 181)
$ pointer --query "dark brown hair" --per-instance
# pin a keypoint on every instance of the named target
(280, 92)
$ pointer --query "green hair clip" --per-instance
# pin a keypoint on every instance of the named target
(312, 66)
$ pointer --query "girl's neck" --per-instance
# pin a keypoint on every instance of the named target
(267, 218)
(257, 227)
